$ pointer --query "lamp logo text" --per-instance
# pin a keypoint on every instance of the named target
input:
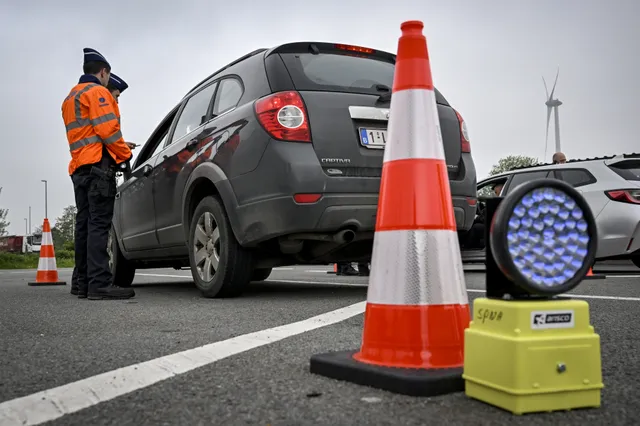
(552, 319)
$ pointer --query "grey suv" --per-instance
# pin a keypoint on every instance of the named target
(273, 160)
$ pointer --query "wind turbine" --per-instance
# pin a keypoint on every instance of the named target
(552, 104)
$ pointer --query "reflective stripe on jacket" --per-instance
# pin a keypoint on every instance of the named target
(92, 120)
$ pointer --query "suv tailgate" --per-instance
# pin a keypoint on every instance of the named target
(347, 99)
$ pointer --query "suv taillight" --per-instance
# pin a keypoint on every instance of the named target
(465, 145)
(631, 196)
(284, 116)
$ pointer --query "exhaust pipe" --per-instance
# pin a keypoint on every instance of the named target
(345, 236)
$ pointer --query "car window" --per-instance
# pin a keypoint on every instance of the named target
(575, 177)
(341, 73)
(228, 96)
(520, 178)
(488, 189)
(193, 113)
(160, 145)
(629, 170)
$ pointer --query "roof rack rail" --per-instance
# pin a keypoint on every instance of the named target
(240, 59)
(578, 160)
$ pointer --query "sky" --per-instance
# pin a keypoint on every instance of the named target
(487, 57)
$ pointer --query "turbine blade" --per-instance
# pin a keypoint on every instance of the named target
(545, 88)
(555, 82)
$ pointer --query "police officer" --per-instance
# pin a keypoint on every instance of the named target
(116, 86)
(92, 121)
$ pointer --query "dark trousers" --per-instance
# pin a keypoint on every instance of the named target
(475, 237)
(95, 190)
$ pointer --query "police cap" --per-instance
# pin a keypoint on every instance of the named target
(91, 55)
(117, 83)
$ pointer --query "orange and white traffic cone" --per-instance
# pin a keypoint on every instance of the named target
(335, 269)
(47, 273)
(591, 276)
(417, 306)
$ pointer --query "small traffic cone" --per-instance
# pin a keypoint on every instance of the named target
(47, 269)
(591, 276)
(417, 305)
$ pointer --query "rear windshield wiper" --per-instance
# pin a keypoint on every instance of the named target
(385, 97)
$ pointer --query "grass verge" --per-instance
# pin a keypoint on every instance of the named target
(64, 259)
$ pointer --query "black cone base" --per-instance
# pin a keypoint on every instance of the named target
(37, 284)
(595, 277)
(406, 381)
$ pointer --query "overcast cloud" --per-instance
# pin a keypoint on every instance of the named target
(487, 59)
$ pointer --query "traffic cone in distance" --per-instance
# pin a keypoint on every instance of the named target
(47, 273)
(591, 276)
(417, 305)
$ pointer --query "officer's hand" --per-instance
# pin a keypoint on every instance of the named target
(131, 145)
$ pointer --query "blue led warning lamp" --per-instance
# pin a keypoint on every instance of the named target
(543, 237)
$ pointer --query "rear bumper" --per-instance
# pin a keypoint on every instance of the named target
(283, 216)
(264, 208)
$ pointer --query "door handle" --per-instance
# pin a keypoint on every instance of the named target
(192, 144)
(146, 170)
(117, 195)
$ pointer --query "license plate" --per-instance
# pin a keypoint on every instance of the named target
(373, 138)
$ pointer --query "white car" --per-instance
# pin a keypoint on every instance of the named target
(611, 186)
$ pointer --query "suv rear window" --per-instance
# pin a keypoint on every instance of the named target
(341, 73)
(629, 170)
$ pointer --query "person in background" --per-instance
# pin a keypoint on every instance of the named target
(559, 158)
(475, 237)
(345, 268)
(92, 121)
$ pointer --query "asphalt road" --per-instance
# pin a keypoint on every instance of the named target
(100, 362)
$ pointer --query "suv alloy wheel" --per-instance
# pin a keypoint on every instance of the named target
(219, 265)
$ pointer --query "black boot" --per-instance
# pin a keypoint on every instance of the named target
(347, 269)
(111, 293)
(363, 269)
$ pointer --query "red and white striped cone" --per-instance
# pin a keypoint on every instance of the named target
(47, 273)
(591, 276)
(417, 304)
(335, 269)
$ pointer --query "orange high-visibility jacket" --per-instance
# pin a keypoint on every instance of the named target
(92, 119)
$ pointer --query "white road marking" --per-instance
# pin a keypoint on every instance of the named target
(188, 277)
(284, 268)
(54, 403)
(623, 276)
(583, 296)
(317, 282)
(317, 271)
(471, 290)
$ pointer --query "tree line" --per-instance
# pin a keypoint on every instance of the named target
(62, 232)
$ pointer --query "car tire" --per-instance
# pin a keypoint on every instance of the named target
(636, 261)
(122, 270)
(260, 274)
(220, 266)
